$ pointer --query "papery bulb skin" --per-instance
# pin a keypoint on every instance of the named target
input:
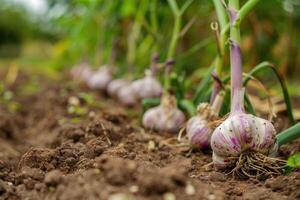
(200, 127)
(100, 79)
(241, 132)
(198, 132)
(126, 95)
(165, 117)
(147, 87)
(115, 85)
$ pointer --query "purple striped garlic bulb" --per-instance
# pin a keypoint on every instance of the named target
(100, 79)
(147, 87)
(200, 127)
(115, 85)
(165, 117)
(127, 96)
(240, 132)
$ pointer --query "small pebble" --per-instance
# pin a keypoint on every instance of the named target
(190, 189)
(169, 196)
(211, 197)
(120, 196)
(74, 101)
(151, 145)
(134, 188)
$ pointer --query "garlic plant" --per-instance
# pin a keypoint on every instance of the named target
(165, 117)
(200, 127)
(100, 79)
(127, 96)
(149, 86)
(241, 133)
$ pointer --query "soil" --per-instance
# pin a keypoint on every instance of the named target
(47, 152)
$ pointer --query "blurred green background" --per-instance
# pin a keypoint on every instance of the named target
(51, 35)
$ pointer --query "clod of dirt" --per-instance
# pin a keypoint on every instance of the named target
(37, 158)
(8, 126)
(66, 157)
(95, 147)
(117, 171)
(7, 191)
(72, 132)
(286, 185)
(163, 180)
(53, 178)
(33, 173)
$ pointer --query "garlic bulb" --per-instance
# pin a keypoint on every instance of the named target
(100, 79)
(127, 96)
(147, 87)
(81, 72)
(115, 85)
(200, 127)
(165, 117)
(241, 132)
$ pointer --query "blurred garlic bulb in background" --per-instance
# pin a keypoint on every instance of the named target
(147, 87)
(165, 117)
(127, 96)
(100, 79)
(115, 85)
(81, 72)
(200, 127)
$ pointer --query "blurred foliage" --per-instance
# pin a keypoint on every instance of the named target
(127, 33)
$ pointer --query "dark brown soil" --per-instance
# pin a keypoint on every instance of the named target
(48, 153)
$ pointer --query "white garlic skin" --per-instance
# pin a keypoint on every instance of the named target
(100, 79)
(238, 133)
(126, 95)
(115, 85)
(198, 132)
(163, 118)
(147, 87)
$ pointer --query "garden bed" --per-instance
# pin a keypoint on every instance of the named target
(48, 153)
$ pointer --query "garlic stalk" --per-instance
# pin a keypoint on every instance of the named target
(200, 127)
(240, 132)
(165, 117)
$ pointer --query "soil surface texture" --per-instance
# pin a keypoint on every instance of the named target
(63, 142)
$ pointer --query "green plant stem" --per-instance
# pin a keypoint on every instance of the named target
(221, 13)
(136, 31)
(245, 10)
(177, 26)
(153, 17)
(221, 39)
(175, 36)
(224, 25)
(286, 96)
(289, 134)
